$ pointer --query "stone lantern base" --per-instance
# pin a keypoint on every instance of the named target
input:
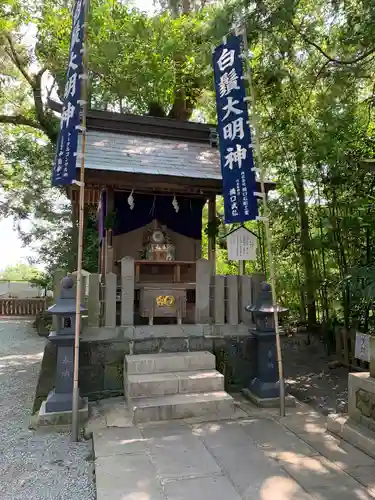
(61, 418)
(261, 402)
(264, 389)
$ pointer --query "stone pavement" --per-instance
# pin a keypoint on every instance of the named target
(255, 456)
(34, 465)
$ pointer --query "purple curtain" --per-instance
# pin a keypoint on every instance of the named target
(101, 214)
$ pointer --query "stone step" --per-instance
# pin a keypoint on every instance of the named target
(163, 384)
(352, 432)
(169, 362)
(218, 404)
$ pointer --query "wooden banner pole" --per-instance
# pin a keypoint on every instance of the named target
(265, 219)
(81, 220)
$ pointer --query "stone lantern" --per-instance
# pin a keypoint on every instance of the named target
(60, 398)
(264, 388)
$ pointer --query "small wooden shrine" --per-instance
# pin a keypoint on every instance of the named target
(149, 179)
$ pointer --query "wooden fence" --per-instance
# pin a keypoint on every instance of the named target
(22, 307)
(218, 299)
(345, 350)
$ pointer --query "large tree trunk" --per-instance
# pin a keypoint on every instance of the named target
(306, 247)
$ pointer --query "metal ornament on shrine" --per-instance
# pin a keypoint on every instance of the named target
(60, 398)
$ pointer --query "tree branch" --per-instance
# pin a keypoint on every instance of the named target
(17, 61)
(348, 62)
(20, 120)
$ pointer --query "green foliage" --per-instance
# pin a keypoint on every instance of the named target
(19, 272)
(313, 70)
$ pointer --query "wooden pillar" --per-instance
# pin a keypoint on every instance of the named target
(241, 267)
(232, 299)
(108, 248)
(127, 291)
(202, 292)
(219, 299)
(110, 300)
(212, 238)
(93, 303)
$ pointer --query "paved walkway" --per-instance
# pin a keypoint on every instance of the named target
(257, 457)
(34, 465)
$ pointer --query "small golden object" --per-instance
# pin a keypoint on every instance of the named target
(165, 300)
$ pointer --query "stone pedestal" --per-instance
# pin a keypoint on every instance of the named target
(264, 387)
(358, 427)
(361, 399)
(59, 399)
(266, 382)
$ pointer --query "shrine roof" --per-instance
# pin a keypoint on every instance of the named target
(152, 155)
(152, 146)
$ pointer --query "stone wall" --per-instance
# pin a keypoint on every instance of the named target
(101, 362)
(365, 403)
(102, 352)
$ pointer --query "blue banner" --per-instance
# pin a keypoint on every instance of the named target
(64, 168)
(236, 152)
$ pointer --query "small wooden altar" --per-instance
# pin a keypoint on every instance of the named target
(174, 271)
(159, 296)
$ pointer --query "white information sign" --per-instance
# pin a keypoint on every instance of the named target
(242, 245)
(362, 346)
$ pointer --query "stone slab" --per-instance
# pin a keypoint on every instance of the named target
(200, 381)
(118, 441)
(274, 438)
(100, 334)
(150, 385)
(352, 432)
(116, 412)
(127, 477)
(207, 488)
(182, 406)
(338, 451)
(364, 474)
(165, 430)
(254, 475)
(340, 493)
(61, 417)
(181, 456)
(321, 478)
(290, 401)
(304, 421)
(163, 384)
(169, 362)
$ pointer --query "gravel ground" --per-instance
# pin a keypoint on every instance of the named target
(309, 378)
(34, 465)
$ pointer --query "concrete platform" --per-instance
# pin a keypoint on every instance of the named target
(178, 406)
(163, 384)
(169, 362)
(61, 418)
